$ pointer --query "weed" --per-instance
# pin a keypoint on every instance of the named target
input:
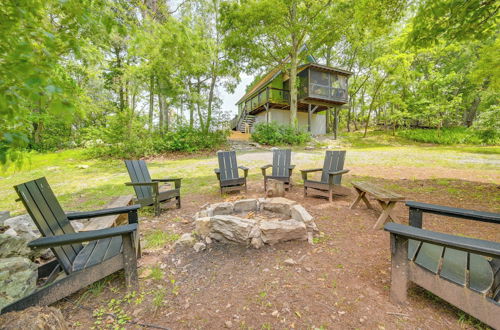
(158, 238)
(159, 298)
(156, 273)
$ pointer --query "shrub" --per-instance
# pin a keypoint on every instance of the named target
(189, 139)
(448, 136)
(276, 134)
(128, 138)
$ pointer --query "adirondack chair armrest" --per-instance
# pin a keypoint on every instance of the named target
(176, 181)
(264, 168)
(338, 172)
(486, 248)
(93, 235)
(292, 167)
(305, 172)
(167, 180)
(417, 208)
(103, 212)
(245, 170)
(217, 172)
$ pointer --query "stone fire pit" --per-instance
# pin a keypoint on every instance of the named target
(255, 222)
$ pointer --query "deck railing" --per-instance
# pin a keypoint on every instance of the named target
(282, 96)
(268, 94)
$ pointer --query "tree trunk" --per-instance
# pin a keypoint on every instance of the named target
(210, 100)
(293, 90)
(121, 98)
(470, 114)
(374, 96)
(160, 119)
(151, 100)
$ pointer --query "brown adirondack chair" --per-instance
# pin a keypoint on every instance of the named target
(331, 176)
(148, 191)
(108, 250)
(281, 168)
(227, 173)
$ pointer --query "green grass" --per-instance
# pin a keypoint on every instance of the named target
(158, 238)
(91, 188)
(448, 136)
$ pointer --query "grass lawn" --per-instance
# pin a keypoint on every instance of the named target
(378, 155)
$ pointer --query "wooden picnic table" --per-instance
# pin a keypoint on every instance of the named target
(386, 199)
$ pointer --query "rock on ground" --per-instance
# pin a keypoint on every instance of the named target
(18, 277)
(13, 246)
(245, 205)
(4, 215)
(199, 246)
(281, 231)
(186, 240)
(203, 226)
(224, 208)
(34, 318)
(278, 205)
(231, 229)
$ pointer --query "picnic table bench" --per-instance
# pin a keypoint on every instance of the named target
(386, 199)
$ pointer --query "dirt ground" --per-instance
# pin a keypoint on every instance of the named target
(342, 281)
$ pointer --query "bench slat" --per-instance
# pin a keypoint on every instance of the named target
(481, 274)
(454, 266)
(429, 256)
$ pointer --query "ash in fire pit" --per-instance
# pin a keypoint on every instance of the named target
(255, 222)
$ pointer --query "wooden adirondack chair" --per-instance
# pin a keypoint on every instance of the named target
(148, 191)
(227, 173)
(282, 170)
(464, 271)
(331, 177)
(108, 250)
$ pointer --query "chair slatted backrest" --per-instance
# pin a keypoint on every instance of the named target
(227, 165)
(281, 162)
(138, 172)
(49, 217)
(334, 161)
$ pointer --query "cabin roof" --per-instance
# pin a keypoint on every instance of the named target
(276, 71)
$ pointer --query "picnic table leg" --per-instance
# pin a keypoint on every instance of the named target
(384, 205)
(384, 215)
(358, 198)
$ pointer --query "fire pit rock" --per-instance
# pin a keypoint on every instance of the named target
(255, 222)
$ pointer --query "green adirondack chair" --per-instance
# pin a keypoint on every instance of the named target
(331, 177)
(148, 191)
(227, 173)
(107, 251)
(281, 168)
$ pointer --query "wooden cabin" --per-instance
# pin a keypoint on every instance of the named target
(320, 89)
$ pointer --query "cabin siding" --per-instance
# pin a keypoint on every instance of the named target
(318, 120)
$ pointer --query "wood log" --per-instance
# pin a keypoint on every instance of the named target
(275, 188)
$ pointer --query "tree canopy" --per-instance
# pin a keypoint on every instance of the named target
(120, 72)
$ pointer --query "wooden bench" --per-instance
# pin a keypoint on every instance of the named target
(386, 199)
(113, 219)
(463, 271)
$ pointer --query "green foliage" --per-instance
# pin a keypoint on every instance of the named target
(128, 137)
(189, 139)
(158, 239)
(450, 136)
(276, 134)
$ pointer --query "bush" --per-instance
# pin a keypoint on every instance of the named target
(448, 136)
(276, 134)
(128, 138)
(190, 139)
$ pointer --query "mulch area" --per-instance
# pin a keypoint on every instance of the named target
(342, 281)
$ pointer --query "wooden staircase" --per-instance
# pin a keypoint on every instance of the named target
(246, 123)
